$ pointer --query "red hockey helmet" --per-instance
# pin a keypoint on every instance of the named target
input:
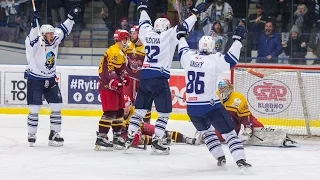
(127, 101)
(120, 35)
(134, 28)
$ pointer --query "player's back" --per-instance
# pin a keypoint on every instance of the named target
(159, 50)
(201, 82)
(135, 55)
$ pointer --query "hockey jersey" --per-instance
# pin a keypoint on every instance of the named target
(42, 59)
(112, 66)
(201, 75)
(159, 48)
(135, 55)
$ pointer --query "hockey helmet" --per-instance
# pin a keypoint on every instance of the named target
(121, 35)
(161, 25)
(225, 88)
(134, 28)
(127, 101)
(206, 44)
(46, 28)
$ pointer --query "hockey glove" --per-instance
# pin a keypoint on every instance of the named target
(181, 31)
(114, 84)
(75, 12)
(239, 33)
(142, 5)
(199, 9)
(126, 80)
(36, 17)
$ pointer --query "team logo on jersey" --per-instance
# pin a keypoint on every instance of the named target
(236, 102)
(269, 96)
(50, 60)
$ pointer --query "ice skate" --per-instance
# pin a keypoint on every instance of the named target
(128, 142)
(118, 142)
(198, 137)
(191, 141)
(242, 165)
(158, 148)
(222, 161)
(32, 139)
(102, 143)
(55, 139)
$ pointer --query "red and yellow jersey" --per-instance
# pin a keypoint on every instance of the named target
(135, 55)
(126, 120)
(112, 65)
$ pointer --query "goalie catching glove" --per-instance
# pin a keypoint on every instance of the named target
(245, 133)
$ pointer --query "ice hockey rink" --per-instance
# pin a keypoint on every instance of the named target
(77, 159)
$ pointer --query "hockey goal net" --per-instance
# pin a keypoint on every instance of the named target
(287, 97)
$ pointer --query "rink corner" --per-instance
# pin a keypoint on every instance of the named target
(84, 112)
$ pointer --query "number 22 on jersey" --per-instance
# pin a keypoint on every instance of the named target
(195, 84)
(152, 52)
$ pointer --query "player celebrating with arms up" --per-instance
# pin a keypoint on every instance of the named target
(160, 43)
(203, 105)
(112, 77)
(41, 52)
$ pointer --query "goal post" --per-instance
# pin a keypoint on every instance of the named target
(282, 96)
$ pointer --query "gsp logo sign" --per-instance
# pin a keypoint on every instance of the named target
(269, 96)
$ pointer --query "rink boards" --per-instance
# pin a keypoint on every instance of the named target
(79, 88)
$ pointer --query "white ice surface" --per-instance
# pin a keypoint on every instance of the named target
(77, 160)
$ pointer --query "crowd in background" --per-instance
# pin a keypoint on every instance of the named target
(280, 31)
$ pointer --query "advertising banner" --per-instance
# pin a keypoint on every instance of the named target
(83, 90)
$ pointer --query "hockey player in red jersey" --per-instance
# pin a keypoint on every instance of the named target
(112, 77)
(147, 130)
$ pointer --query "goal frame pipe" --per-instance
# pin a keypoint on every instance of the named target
(298, 69)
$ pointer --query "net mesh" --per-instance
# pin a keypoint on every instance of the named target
(284, 97)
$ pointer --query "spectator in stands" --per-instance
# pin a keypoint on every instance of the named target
(117, 9)
(256, 25)
(240, 8)
(219, 36)
(295, 47)
(271, 7)
(302, 19)
(314, 42)
(269, 46)
(285, 11)
(124, 24)
(79, 23)
(218, 11)
(185, 9)
(56, 7)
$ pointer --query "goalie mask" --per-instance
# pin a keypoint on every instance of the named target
(225, 89)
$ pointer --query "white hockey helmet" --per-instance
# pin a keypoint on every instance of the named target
(161, 25)
(206, 44)
(46, 28)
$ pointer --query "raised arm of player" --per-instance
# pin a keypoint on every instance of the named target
(32, 41)
(183, 51)
(231, 58)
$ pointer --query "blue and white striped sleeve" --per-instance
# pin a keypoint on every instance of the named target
(64, 29)
(33, 39)
(231, 58)
(183, 50)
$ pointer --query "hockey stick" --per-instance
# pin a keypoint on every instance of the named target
(38, 26)
(178, 9)
(258, 137)
(180, 97)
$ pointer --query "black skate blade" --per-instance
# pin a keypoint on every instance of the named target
(55, 143)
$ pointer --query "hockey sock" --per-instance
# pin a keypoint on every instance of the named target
(235, 145)
(117, 125)
(32, 123)
(104, 124)
(55, 121)
(161, 124)
(177, 137)
(147, 117)
(135, 120)
(213, 144)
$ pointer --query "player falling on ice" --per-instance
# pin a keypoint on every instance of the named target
(41, 52)
(112, 77)
(135, 55)
(203, 105)
(160, 43)
(248, 128)
(146, 131)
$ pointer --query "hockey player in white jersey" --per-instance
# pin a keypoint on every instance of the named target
(202, 68)
(160, 43)
(41, 52)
